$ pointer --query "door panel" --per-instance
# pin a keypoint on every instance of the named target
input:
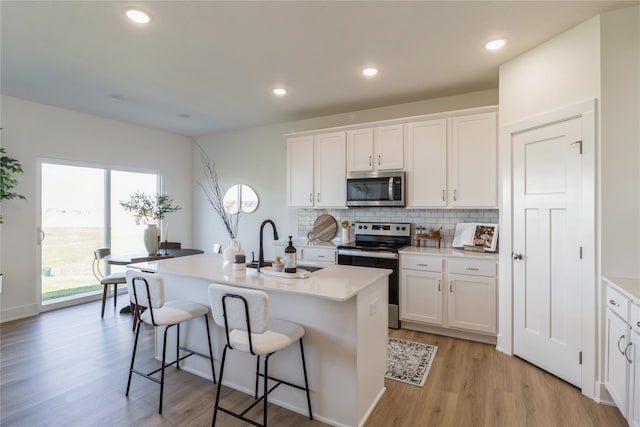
(546, 214)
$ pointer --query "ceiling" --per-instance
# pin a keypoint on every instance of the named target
(207, 66)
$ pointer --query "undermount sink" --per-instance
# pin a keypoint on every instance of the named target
(310, 268)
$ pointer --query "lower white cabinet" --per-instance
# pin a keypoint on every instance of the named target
(622, 355)
(316, 254)
(455, 294)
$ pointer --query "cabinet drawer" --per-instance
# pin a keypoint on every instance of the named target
(419, 262)
(472, 267)
(316, 254)
(618, 303)
(635, 321)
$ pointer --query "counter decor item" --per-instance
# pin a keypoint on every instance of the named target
(229, 215)
(324, 229)
(232, 251)
(277, 264)
(149, 209)
(290, 254)
(432, 234)
(346, 231)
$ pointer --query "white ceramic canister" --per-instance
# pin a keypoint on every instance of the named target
(234, 248)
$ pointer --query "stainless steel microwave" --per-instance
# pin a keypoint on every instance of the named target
(375, 188)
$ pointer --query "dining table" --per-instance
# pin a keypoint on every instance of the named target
(125, 258)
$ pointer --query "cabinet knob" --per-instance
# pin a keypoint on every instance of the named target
(318, 199)
(455, 198)
(626, 356)
(443, 196)
(472, 268)
(614, 303)
(370, 160)
(379, 159)
(516, 256)
(619, 349)
(439, 291)
(310, 197)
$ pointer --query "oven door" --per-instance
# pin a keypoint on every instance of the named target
(367, 260)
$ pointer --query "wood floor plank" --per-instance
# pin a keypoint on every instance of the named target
(69, 368)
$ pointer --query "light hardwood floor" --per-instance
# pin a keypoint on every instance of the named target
(69, 368)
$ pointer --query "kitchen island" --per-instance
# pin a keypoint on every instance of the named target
(343, 310)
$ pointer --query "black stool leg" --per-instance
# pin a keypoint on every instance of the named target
(306, 382)
(257, 374)
(213, 372)
(164, 355)
(178, 346)
(133, 358)
(264, 403)
(217, 405)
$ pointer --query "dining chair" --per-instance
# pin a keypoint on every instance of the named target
(115, 279)
(244, 315)
(148, 291)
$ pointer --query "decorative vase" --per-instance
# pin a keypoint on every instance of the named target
(346, 235)
(151, 239)
(235, 248)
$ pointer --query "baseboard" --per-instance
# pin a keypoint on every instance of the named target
(454, 333)
(20, 312)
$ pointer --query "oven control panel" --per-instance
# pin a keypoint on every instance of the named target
(383, 229)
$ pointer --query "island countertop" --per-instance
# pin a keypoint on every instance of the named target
(334, 282)
(343, 310)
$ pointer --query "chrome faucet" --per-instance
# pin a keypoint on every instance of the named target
(275, 237)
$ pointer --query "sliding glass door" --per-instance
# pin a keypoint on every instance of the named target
(80, 212)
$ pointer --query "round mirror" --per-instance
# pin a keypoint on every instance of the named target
(240, 198)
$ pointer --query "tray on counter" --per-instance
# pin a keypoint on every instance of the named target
(299, 274)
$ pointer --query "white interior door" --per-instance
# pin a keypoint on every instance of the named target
(547, 306)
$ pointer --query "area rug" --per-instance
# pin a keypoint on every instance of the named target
(409, 361)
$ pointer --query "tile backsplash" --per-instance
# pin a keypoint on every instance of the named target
(428, 218)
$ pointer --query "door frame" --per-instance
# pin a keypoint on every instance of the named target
(590, 232)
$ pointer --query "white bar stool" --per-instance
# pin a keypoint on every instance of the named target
(244, 314)
(147, 290)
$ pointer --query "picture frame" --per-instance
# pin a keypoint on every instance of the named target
(486, 236)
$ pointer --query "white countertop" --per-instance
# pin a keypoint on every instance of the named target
(629, 287)
(450, 252)
(335, 282)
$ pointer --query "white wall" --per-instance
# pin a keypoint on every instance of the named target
(32, 131)
(257, 157)
(563, 71)
(620, 147)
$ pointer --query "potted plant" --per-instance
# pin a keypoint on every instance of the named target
(149, 209)
(9, 167)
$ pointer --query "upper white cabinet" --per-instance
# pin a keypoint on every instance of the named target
(426, 163)
(375, 149)
(452, 162)
(473, 161)
(316, 171)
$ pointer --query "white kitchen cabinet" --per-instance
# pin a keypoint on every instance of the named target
(317, 255)
(449, 293)
(634, 393)
(316, 171)
(452, 162)
(426, 163)
(471, 303)
(375, 149)
(300, 171)
(621, 354)
(473, 161)
(421, 289)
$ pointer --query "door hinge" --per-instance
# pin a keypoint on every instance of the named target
(578, 142)
(580, 252)
(580, 358)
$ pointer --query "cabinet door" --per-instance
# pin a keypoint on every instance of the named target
(421, 296)
(472, 303)
(473, 165)
(426, 163)
(616, 365)
(360, 150)
(634, 391)
(330, 177)
(300, 171)
(389, 150)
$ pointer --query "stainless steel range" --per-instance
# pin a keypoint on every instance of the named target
(377, 245)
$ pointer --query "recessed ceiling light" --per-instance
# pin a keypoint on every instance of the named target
(495, 44)
(279, 91)
(138, 15)
(370, 72)
(184, 116)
